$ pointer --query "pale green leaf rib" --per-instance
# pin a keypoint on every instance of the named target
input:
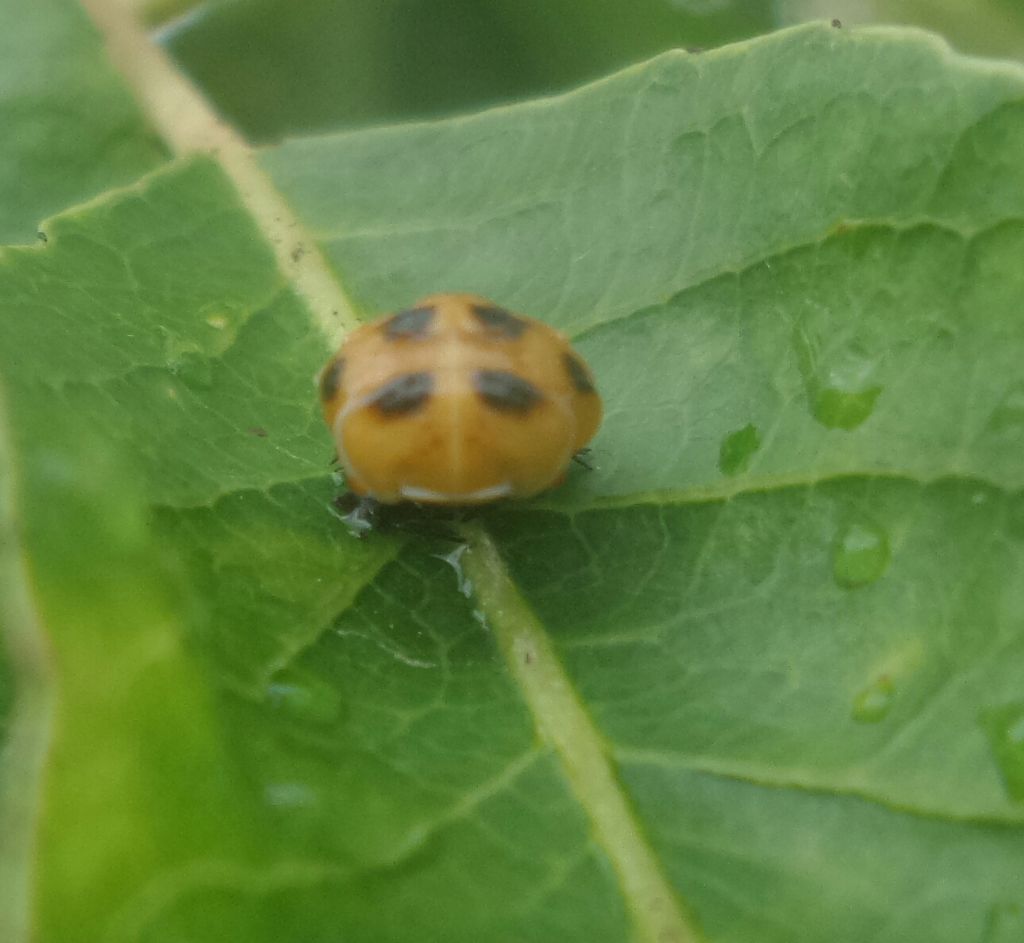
(753, 484)
(251, 881)
(563, 722)
(189, 125)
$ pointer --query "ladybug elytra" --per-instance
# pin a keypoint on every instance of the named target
(457, 401)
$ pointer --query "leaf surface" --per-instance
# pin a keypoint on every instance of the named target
(766, 656)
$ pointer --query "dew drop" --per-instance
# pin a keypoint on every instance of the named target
(873, 703)
(861, 554)
(1008, 417)
(1004, 924)
(1005, 729)
(289, 795)
(841, 384)
(737, 449)
(835, 408)
(303, 696)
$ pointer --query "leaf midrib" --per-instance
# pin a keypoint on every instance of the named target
(189, 125)
(659, 915)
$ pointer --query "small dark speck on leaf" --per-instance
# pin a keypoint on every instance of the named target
(695, 49)
(42, 237)
(528, 657)
(838, 24)
(298, 252)
(258, 431)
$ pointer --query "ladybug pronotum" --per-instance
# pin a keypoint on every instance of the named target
(457, 401)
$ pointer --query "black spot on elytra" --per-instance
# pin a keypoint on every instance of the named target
(578, 374)
(499, 321)
(403, 395)
(330, 379)
(412, 323)
(505, 391)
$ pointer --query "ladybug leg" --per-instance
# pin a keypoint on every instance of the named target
(580, 459)
(358, 514)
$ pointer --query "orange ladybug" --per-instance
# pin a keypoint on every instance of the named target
(457, 401)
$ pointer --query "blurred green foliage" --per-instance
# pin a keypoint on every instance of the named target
(282, 67)
(276, 68)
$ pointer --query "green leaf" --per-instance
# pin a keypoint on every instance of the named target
(68, 128)
(756, 674)
(796, 249)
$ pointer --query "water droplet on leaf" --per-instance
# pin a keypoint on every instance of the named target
(304, 696)
(841, 384)
(872, 703)
(861, 554)
(289, 795)
(835, 408)
(737, 449)
(1005, 728)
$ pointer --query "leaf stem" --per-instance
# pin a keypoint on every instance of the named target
(562, 721)
(189, 125)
